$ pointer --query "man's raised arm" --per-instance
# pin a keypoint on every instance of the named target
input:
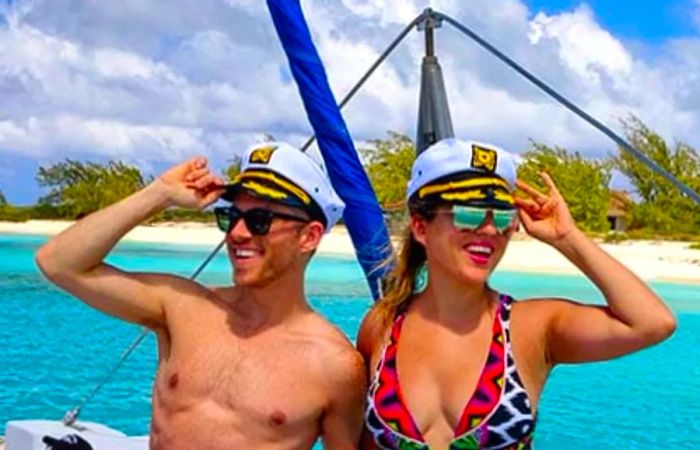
(73, 260)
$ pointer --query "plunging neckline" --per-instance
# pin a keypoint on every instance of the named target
(497, 336)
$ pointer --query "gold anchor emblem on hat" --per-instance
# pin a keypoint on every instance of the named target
(484, 158)
(262, 155)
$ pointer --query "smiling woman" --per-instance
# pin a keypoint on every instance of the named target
(457, 335)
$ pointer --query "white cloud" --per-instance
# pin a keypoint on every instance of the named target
(160, 80)
(585, 47)
(63, 133)
(386, 12)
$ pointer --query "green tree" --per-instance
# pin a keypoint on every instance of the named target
(233, 169)
(13, 213)
(582, 182)
(79, 188)
(388, 164)
(662, 207)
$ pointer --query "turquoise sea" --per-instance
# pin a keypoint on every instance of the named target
(54, 350)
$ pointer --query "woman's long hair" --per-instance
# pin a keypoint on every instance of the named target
(400, 282)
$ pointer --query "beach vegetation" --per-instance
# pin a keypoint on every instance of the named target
(655, 210)
(79, 188)
(615, 237)
(45, 211)
(647, 234)
(185, 215)
(388, 164)
(583, 182)
(10, 213)
(662, 208)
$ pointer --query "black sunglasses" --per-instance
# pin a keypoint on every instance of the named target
(257, 220)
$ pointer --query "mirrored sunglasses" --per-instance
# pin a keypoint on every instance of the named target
(472, 218)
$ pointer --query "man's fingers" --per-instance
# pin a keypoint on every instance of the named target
(196, 174)
(212, 196)
(205, 181)
(198, 162)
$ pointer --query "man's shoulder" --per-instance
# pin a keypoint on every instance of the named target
(334, 355)
(186, 297)
(176, 286)
(326, 337)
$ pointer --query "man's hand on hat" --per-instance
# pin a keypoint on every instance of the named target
(192, 184)
(544, 216)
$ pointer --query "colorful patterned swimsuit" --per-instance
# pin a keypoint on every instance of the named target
(497, 416)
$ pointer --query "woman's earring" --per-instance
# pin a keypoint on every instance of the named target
(421, 280)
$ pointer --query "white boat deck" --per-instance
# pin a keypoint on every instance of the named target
(28, 435)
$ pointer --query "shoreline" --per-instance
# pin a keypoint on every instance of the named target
(662, 261)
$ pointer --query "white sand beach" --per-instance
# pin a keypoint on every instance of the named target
(651, 260)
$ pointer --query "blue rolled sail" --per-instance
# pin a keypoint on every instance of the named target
(363, 215)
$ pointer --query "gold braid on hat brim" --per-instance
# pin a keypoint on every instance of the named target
(431, 189)
(268, 176)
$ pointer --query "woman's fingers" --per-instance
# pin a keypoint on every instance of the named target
(532, 207)
(553, 191)
(526, 219)
(549, 207)
(525, 202)
(534, 193)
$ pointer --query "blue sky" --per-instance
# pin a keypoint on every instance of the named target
(209, 77)
(644, 20)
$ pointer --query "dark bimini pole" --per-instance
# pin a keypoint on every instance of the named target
(434, 122)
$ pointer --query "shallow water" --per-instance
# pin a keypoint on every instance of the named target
(54, 349)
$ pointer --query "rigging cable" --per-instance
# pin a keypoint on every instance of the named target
(569, 105)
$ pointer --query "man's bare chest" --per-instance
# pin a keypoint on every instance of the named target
(257, 380)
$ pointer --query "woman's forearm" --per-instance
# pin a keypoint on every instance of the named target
(629, 299)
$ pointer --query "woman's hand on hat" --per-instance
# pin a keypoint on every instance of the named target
(191, 184)
(544, 216)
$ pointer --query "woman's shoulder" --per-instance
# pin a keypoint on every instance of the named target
(373, 331)
(538, 309)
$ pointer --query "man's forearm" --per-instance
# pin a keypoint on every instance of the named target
(85, 244)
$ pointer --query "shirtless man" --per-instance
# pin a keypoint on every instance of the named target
(249, 366)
